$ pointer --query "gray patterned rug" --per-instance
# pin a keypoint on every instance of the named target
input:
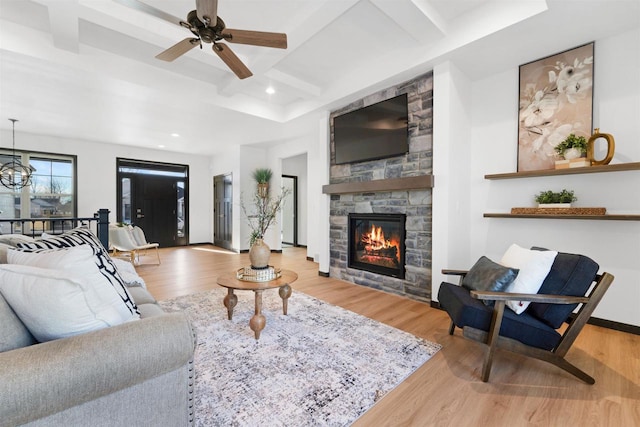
(320, 365)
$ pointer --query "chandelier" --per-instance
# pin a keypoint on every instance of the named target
(13, 174)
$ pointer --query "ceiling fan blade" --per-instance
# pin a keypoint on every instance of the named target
(256, 38)
(207, 10)
(143, 7)
(178, 49)
(232, 60)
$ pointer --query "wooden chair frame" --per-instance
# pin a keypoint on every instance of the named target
(492, 340)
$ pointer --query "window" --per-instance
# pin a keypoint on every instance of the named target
(52, 193)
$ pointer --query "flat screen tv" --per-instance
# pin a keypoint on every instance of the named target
(373, 132)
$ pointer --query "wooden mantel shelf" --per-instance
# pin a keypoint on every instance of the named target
(392, 184)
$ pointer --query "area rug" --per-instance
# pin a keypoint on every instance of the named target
(320, 365)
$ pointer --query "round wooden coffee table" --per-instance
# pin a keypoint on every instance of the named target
(258, 321)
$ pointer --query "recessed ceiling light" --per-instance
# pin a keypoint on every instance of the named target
(160, 146)
(270, 90)
(175, 135)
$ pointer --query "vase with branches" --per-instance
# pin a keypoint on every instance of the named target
(261, 214)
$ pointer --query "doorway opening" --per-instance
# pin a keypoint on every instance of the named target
(290, 211)
(155, 197)
(223, 211)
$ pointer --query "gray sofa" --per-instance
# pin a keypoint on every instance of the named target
(138, 373)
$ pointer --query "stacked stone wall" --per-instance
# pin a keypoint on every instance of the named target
(416, 204)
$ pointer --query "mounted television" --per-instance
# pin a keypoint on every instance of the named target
(374, 132)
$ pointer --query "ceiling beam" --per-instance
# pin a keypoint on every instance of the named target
(423, 27)
(307, 24)
(63, 20)
(432, 14)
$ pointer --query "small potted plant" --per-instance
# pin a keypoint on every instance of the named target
(551, 199)
(262, 177)
(572, 147)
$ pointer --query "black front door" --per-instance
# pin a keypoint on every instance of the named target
(155, 208)
(153, 197)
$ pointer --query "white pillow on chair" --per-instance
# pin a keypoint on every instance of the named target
(534, 267)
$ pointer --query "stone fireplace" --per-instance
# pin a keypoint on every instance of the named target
(399, 186)
(377, 243)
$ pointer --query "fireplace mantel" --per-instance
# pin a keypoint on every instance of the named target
(392, 184)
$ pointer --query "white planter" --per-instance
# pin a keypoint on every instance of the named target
(571, 153)
(554, 205)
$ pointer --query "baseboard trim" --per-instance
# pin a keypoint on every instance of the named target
(595, 321)
(323, 274)
(616, 326)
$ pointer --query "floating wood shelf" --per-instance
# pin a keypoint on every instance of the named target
(392, 184)
(610, 217)
(571, 171)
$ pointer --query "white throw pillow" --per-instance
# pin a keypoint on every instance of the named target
(54, 303)
(534, 267)
(79, 260)
(128, 273)
(82, 236)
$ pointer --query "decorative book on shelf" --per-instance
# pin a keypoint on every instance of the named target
(558, 211)
(580, 162)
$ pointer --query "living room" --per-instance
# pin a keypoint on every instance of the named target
(475, 128)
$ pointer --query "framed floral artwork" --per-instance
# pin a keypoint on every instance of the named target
(556, 100)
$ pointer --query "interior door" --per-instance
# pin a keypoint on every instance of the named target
(223, 204)
(290, 211)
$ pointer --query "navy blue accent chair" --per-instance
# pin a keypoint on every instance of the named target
(534, 332)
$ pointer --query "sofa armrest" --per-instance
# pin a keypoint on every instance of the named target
(542, 298)
(46, 378)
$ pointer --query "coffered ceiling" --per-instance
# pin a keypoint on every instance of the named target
(85, 69)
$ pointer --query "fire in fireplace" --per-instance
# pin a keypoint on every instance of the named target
(376, 243)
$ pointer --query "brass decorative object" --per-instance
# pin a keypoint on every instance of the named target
(611, 146)
(263, 190)
(249, 274)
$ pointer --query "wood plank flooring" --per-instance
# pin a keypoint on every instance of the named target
(447, 390)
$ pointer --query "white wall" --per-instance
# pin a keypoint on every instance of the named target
(451, 148)
(615, 245)
(96, 168)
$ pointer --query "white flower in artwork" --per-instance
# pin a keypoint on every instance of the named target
(543, 146)
(539, 110)
(559, 134)
(573, 80)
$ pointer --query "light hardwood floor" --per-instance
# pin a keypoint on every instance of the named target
(446, 391)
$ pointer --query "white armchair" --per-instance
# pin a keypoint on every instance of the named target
(132, 241)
